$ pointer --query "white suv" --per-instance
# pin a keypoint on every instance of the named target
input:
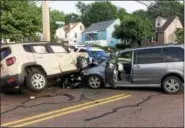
(31, 64)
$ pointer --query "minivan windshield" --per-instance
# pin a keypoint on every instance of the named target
(99, 54)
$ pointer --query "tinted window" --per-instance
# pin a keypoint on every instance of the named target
(5, 52)
(58, 49)
(148, 56)
(174, 54)
(27, 48)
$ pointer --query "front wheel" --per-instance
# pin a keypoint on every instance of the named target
(172, 84)
(82, 62)
(94, 81)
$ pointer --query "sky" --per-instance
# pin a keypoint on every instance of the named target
(69, 6)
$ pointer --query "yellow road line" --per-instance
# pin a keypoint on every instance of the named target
(68, 112)
(56, 111)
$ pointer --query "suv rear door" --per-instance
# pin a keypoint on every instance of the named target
(5, 52)
(148, 66)
(47, 60)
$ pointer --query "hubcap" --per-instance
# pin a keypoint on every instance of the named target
(172, 85)
(94, 82)
(38, 81)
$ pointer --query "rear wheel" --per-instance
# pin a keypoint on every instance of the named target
(172, 84)
(36, 80)
(94, 81)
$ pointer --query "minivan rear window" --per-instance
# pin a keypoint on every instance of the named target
(5, 52)
(173, 54)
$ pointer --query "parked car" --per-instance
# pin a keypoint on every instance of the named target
(95, 54)
(33, 63)
(157, 66)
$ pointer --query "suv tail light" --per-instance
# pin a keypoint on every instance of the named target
(10, 61)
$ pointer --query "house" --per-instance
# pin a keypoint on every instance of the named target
(70, 33)
(165, 29)
(101, 33)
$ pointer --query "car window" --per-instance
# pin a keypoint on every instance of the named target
(98, 54)
(40, 49)
(174, 54)
(148, 56)
(5, 52)
(125, 57)
(82, 50)
(58, 49)
(27, 48)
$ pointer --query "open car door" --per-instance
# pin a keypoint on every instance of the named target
(111, 72)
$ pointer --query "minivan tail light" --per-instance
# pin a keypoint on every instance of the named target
(10, 61)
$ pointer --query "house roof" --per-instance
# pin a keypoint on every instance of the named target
(69, 27)
(99, 26)
(170, 19)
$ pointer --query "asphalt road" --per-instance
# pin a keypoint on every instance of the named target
(121, 107)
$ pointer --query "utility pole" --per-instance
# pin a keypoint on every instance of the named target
(45, 21)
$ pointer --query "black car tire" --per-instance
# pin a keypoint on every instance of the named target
(34, 73)
(98, 83)
(82, 63)
(166, 87)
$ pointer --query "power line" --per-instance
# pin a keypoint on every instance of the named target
(167, 7)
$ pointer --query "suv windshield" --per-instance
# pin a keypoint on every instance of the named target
(5, 52)
(99, 54)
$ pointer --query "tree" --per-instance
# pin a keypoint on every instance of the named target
(166, 8)
(180, 35)
(141, 13)
(19, 20)
(97, 12)
(121, 13)
(72, 18)
(55, 15)
(133, 29)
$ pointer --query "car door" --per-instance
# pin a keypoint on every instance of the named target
(148, 66)
(65, 59)
(111, 71)
(47, 60)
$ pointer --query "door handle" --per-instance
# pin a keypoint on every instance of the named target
(137, 66)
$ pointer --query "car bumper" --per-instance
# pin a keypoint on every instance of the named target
(13, 81)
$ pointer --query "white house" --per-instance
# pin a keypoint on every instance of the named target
(71, 33)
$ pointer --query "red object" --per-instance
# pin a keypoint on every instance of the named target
(11, 80)
(10, 61)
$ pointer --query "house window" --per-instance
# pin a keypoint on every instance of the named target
(158, 23)
(75, 34)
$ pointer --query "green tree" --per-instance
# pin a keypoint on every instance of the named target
(180, 35)
(141, 13)
(19, 20)
(133, 29)
(55, 15)
(166, 8)
(97, 12)
(72, 18)
(121, 13)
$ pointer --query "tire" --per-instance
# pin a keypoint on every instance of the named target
(172, 84)
(82, 63)
(97, 82)
(39, 77)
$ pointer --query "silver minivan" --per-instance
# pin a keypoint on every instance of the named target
(156, 66)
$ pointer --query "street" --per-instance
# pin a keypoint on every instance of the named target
(122, 107)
